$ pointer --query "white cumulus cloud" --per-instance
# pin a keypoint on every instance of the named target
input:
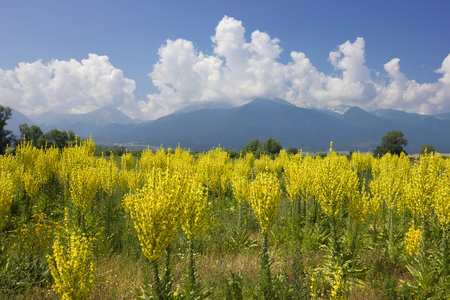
(408, 95)
(239, 70)
(66, 86)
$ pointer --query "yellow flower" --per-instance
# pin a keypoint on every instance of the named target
(334, 182)
(442, 199)
(361, 162)
(6, 194)
(268, 165)
(194, 207)
(108, 175)
(215, 168)
(421, 186)
(339, 286)
(84, 184)
(47, 164)
(298, 176)
(127, 162)
(242, 172)
(360, 205)
(265, 194)
(72, 266)
(413, 238)
(156, 210)
(390, 174)
(31, 184)
(26, 155)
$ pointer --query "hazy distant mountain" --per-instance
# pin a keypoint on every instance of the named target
(203, 105)
(309, 129)
(201, 127)
(260, 119)
(100, 117)
(445, 116)
(17, 118)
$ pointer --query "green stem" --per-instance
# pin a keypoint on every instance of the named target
(445, 251)
(167, 278)
(265, 280)
(391, 234)
(334, 242)
(191, 267)
(156, 280)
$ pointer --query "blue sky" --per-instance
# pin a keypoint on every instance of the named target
(75, 56)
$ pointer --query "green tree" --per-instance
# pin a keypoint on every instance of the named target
(271, 146)
(233, 153)
(392, 142)
(426, 148)
(292, 151)
(54, 137)
(6, 136)
(30, 133)
(252, 146)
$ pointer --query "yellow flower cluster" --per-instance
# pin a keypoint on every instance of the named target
(194, 208)
(442, 199)
(77, 157)
(390, 174)
(6, 193)
(84, 183)
(265, 193)
(298, 176)
(422, 183)
(47, 164)
(72, 266)
(127, 162)
(413, 238)
(360, 205)
(109, 178)
(214, 168)
(157, 209)
(361, 162)
(242, 173)
(334, 182)
(267, 165)
(26, 155)
(131, 180)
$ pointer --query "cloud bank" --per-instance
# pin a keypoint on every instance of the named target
(66, 86)
(237, 71)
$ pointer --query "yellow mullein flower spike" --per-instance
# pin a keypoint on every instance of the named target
(413, 238)
(265, 194)
(6, 194)
(194, 208)
(127, 162)
(31, 184)
(422, 183)
(334, 182)
(156, 210)
(72, 266)
(442, 199)
(360, 205)
(84, 184)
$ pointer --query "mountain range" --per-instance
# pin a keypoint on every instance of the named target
(206, 126)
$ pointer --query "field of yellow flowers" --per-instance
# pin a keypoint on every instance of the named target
(173, 225)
